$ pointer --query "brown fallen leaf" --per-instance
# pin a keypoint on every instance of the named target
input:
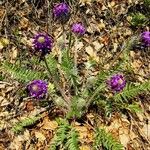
(85, 1)
(16, 143)
(13, 54)
(49, 125)
(124, 136)
(111, 4)
(29, 105)
(85, 135)
(85, 147)
(3, 101)
(136, 65)
(97, 45)
(105, 39)
(92, 54)
(24, 22)
(101, 25)
(83, 131)
(40, 136)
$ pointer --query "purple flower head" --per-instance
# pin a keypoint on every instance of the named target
(145, 37)
(37, 88)
(61, 11)
(78, 28)
(42, 42)
(116, 83)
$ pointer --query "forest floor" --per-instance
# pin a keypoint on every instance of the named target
(108, 29)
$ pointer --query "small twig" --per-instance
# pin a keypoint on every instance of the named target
(39, 111)
(2, 19)
(6, 18)
(70, 37)
(69, 45)
(49, 16)
(140, 132)
(3, 82)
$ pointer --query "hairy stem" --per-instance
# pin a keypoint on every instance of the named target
(69, 46)
(63, 47)
(90, 100)
(75, 54)
(66, 99)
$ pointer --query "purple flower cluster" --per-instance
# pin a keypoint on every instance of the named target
(78, 28)
(116, 83)
(42, 42)
(37, 88)
(61, 10)
(145, 37)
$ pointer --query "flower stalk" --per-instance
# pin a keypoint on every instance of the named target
(66, 99)
(91, 99)
(75, 53)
